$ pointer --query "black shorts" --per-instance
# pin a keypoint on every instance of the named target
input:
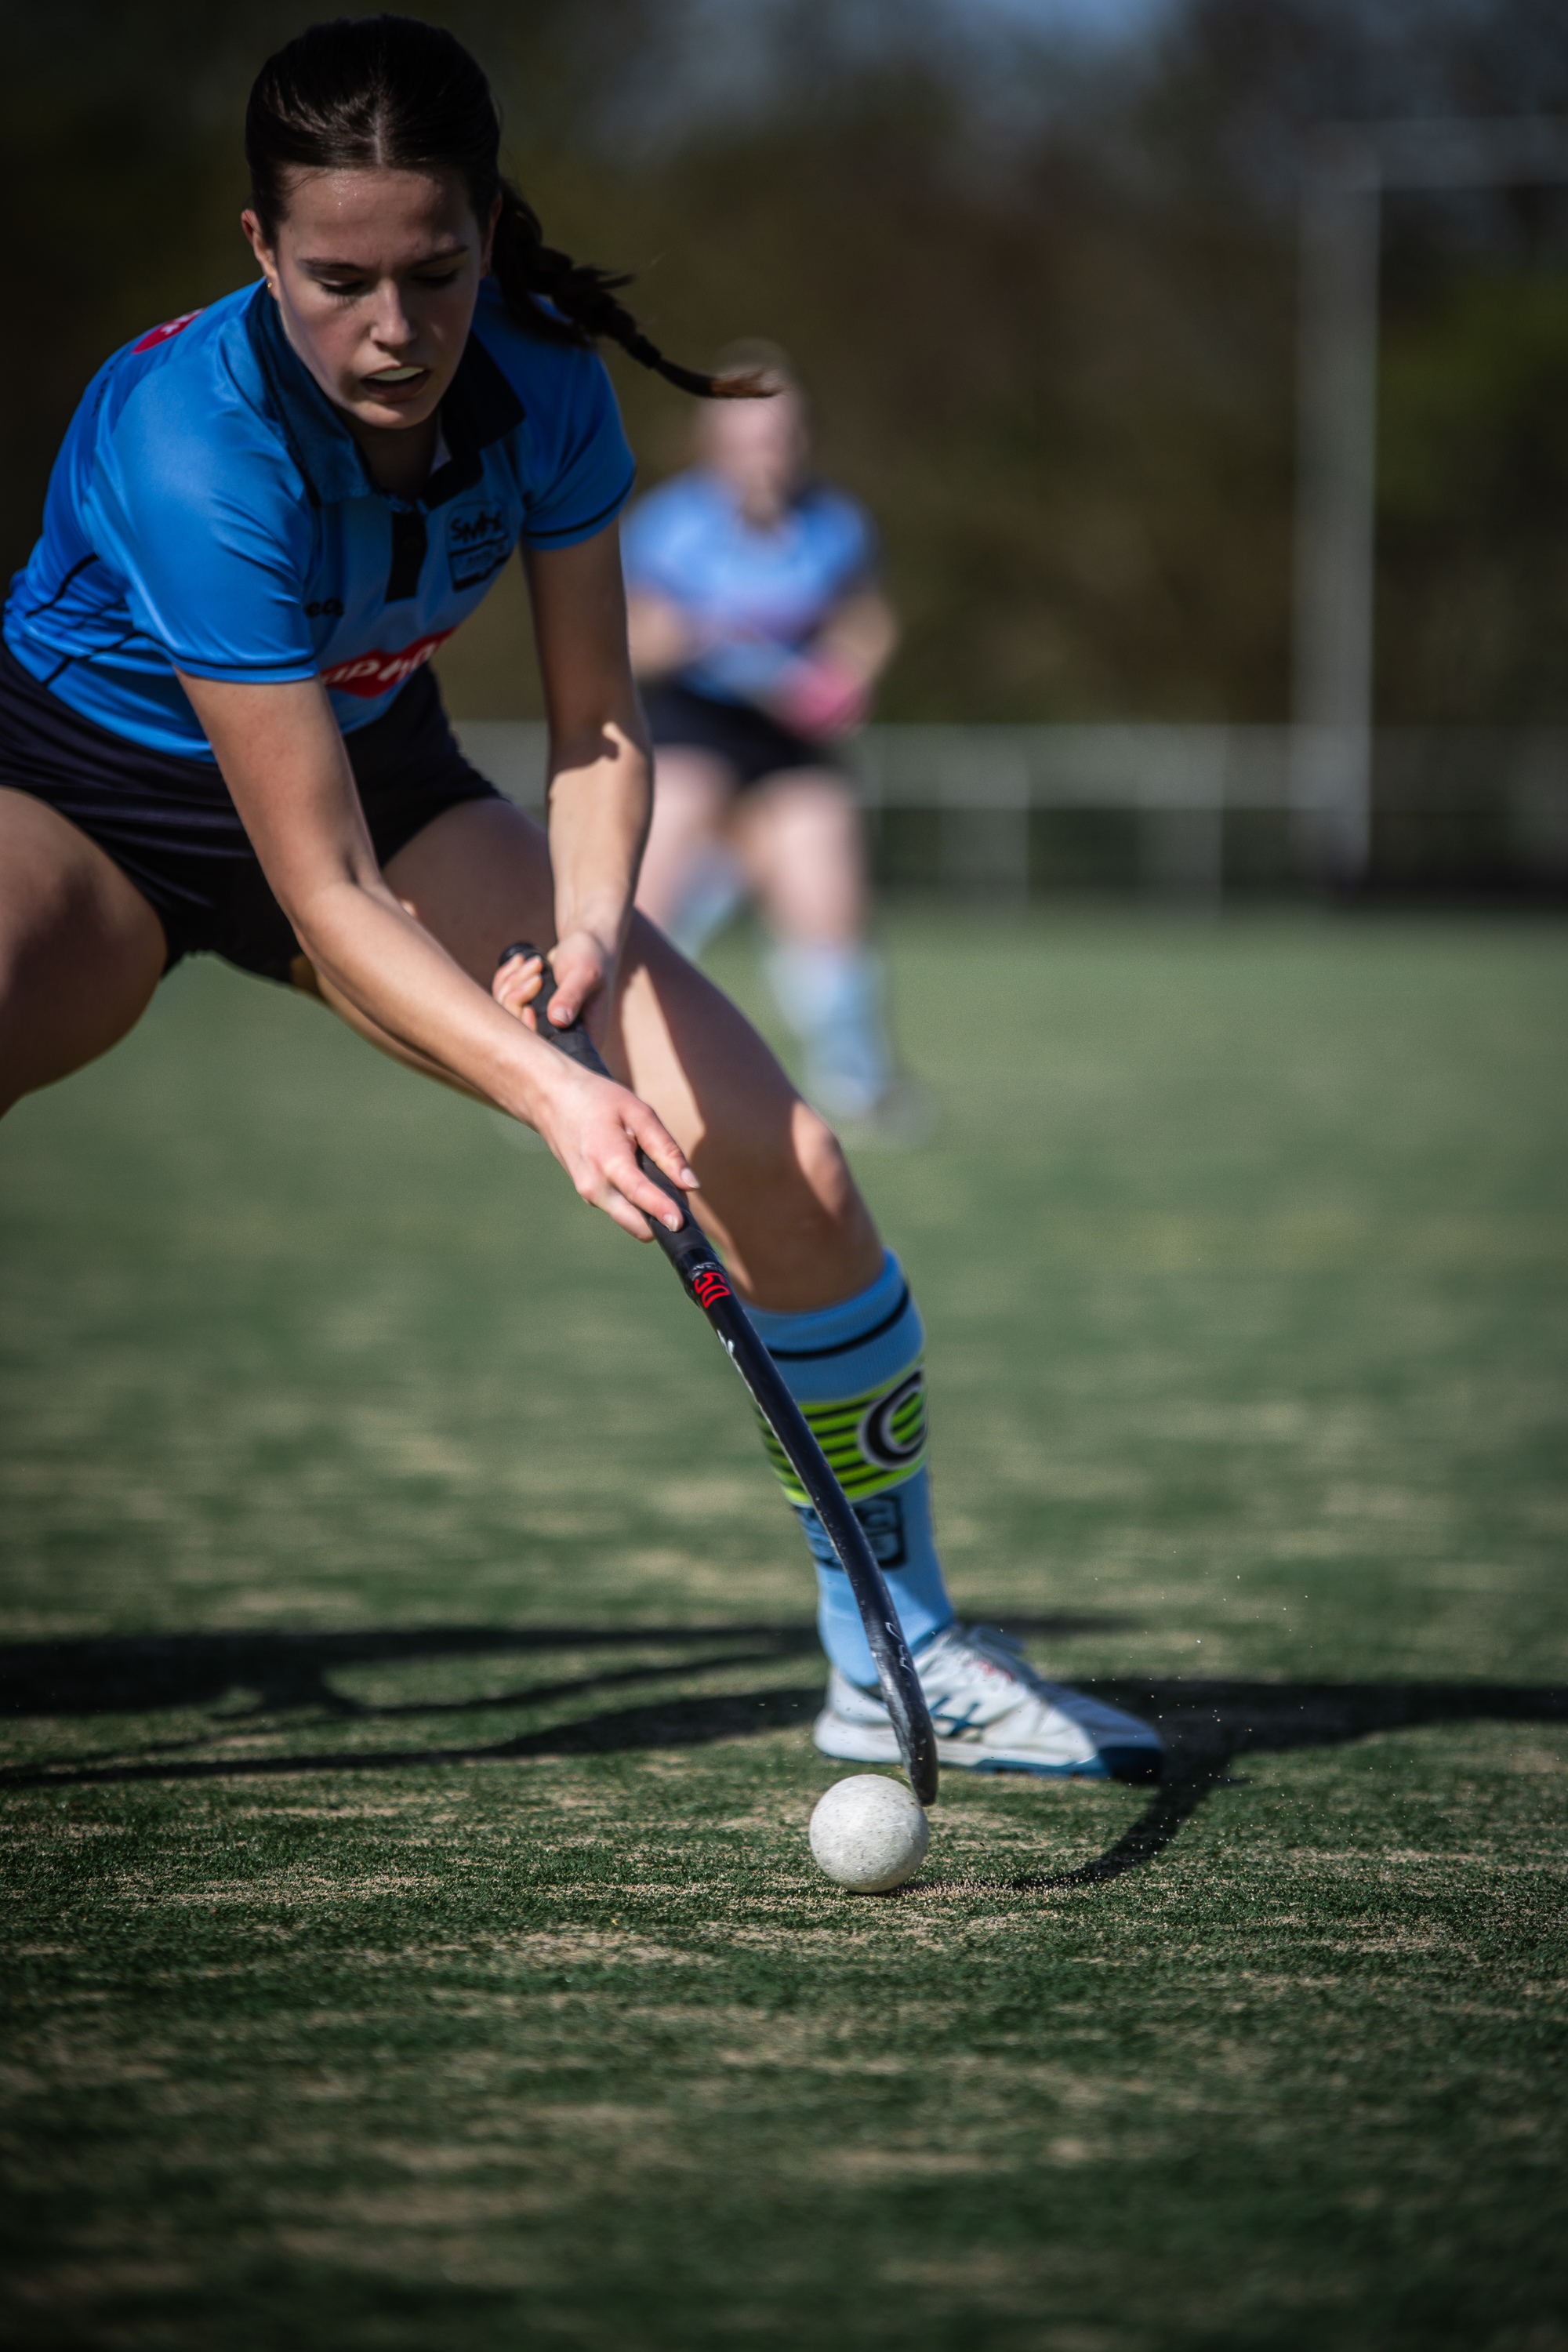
(753, 744)
(171, 828)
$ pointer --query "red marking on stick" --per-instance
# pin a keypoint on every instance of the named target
(710, 1284)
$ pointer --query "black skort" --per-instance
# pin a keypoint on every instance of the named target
(750, 742)
(173, 830)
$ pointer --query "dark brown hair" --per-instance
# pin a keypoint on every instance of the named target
(391, 93)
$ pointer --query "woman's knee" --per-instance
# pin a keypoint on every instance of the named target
(803, 1234)
(81, 951)
(803, 1190)
(805, 854)
(697, 785)
(819, 1158)
(813, 808)
(60, 1011)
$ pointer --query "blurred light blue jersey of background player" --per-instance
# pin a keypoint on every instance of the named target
(758, 632)
(755, 599)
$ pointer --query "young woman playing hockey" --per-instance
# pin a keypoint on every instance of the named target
(217, 734)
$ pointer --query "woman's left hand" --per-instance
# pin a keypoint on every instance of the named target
(582, 966)
(821, 698)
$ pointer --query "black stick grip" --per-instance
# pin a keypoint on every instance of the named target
(705, 1282)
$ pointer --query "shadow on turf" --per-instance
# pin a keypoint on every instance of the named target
(136, 1674)
(1206, 1725)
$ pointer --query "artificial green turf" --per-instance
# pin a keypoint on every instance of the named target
(413, 1940)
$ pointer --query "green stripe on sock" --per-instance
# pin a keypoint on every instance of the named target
(867, 1451)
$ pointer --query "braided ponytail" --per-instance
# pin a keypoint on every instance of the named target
(390, 93)
(583, 305)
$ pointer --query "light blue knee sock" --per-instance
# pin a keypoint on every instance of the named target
(832, 999)
(854, 1371)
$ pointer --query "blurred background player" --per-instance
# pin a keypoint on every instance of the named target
(758, 632)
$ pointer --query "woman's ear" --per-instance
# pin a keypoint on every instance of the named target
(264, 253)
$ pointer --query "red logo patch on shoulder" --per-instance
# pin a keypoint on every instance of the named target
(368, 674)
(161, 334)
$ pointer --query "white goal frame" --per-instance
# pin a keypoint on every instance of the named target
(1347, 168)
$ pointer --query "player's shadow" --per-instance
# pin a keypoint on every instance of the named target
(241, 1682)
(143, 1674)
(1207, 1724)
(255, 1677)
(266, 1674)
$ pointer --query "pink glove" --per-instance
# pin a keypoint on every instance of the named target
(820, 699)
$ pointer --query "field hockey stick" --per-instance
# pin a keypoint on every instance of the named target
(691, 1253)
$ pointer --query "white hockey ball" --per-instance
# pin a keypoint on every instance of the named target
(870, 1833)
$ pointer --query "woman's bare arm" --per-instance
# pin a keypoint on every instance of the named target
(282, 756)
(862, 633)
(601, 769)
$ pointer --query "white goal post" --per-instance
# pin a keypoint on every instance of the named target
(1347, 168)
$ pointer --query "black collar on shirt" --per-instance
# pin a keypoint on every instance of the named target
(480, 407)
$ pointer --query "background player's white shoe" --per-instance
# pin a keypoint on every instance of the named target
(993, 1713)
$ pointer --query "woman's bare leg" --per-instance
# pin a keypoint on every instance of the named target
(80, 950)
(777, 1191)
(799, 837)
(688, 839)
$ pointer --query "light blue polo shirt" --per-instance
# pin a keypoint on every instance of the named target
(755, 597)
(210, 510)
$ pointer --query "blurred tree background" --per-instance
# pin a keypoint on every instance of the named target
(1042, 285)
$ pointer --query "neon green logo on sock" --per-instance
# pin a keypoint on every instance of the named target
(871, 1442)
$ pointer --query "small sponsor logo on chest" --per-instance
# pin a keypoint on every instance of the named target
(478, 542)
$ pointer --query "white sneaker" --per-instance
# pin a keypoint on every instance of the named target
(993, 1713)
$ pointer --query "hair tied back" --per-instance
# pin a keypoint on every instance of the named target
(392, 93)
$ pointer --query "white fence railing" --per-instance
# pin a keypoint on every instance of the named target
(1179, 785)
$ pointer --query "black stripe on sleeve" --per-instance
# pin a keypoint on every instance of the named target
(591, 522)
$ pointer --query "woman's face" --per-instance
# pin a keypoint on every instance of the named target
(376, 274)
(759, 447)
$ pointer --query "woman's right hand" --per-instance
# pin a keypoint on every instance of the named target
(594, 1126)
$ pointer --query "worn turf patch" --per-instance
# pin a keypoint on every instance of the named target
(406, 1672)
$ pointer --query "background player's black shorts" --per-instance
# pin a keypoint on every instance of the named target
(753, 744)
(171, 828)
